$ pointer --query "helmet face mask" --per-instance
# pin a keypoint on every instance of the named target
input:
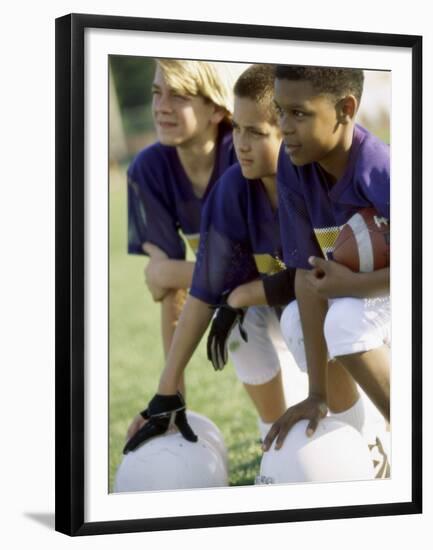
(170, 462)
(336, 452)
(264, 480)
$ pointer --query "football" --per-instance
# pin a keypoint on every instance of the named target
(335, 452)
(363, 244)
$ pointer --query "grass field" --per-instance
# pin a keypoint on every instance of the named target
(136, 359)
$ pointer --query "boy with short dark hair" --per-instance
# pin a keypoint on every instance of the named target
(331, 169)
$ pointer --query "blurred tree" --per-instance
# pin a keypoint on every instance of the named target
(132, 77)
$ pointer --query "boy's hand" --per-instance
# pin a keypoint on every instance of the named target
(330, 279)
(225, 320)
(162, 411)
(313, 408)
(137, 423)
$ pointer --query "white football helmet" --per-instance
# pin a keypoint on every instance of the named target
(336, 452)
(205, 429)
(169, 461)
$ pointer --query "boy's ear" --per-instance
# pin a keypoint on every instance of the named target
(346, 109)
(218, 114)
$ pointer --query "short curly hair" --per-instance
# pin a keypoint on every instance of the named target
(335, 81)
(257, 83)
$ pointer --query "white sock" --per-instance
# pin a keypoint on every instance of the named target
(355, 416)
(373, 418)
(375, 425)
(264, 428)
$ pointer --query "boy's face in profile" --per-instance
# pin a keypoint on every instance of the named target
(311, 132)
(179, 119)
(257, 141)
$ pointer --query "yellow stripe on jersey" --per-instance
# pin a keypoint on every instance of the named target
(267, 264)
(326, 237)
(193, 241)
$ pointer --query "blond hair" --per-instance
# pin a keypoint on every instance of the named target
(212, 80)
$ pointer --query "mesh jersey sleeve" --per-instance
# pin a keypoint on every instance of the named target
(151, 213)
(375, 185)
(224, 259)
(373, 174)
(297, 235)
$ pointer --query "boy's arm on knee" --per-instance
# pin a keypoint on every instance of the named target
(273, 290)
(248, 294)
(170, 274)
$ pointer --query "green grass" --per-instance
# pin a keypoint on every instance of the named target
(136, 360)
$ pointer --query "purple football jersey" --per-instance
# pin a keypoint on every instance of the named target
(239, 237)
(312, 212)
(161, 198)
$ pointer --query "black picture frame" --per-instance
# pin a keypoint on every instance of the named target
(70, 280)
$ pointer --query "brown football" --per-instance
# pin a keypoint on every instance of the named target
(363, 243)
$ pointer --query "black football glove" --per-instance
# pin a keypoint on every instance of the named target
(223, 323)
(162, 411)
